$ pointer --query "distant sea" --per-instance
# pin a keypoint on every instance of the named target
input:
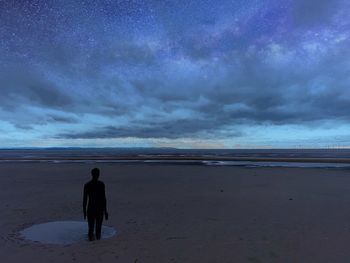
(325, 158)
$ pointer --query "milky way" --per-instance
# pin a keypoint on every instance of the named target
(175, 73)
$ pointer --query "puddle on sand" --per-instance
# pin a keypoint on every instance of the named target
(62, 232)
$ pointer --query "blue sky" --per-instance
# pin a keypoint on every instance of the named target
(190, 74)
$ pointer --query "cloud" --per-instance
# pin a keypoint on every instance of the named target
(64, 119)
(23, 126)
(182, 77)
(165, 129)
(21, 84)
(270, 84)
(311, 13)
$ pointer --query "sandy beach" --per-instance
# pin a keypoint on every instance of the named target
(182, 213)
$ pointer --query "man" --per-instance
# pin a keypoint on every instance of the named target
(95, 199)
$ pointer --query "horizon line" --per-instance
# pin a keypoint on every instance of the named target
(175, 148)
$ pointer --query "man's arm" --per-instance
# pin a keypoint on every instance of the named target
(105, 203)
(85, 200)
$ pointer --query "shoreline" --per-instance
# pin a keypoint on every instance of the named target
(180, 158)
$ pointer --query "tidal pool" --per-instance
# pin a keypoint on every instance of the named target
(62, 232)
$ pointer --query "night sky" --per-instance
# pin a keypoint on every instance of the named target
(181, 73)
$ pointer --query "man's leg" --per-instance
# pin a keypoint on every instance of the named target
(91, 222)
(99, 220)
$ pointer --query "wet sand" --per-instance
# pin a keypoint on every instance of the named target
(182, 213)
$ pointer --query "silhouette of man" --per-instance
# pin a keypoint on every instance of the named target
(95, 199)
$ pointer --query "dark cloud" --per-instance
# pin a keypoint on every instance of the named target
(23, 126)
(166, 129)
(62, 119)
(311, 13)
(25, 86)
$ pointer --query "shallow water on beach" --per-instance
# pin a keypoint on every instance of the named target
(327, 158)
(277, 164)
(62, 232)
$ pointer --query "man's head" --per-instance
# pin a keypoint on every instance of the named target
(95, 173)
